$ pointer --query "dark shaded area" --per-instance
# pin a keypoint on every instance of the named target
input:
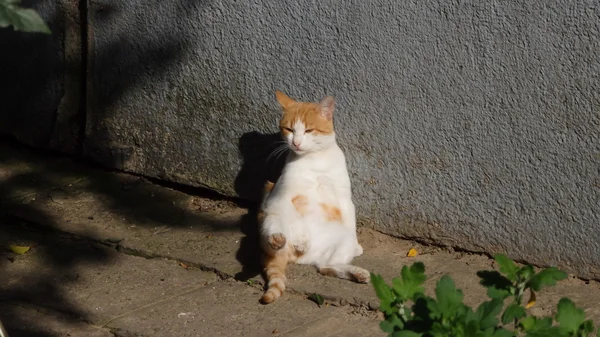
(33, 67)
(61, 253)
(129, 197)
(34, 83)
(260, 163)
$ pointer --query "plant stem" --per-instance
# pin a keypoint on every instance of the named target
(519, 298)
(402, 313)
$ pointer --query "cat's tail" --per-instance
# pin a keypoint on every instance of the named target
(275, 274)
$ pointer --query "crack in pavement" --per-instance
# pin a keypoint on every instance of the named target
(335, 301)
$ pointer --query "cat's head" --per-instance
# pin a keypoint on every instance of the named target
(307, 127)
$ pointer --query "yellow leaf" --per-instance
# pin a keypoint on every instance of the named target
(19, 249)
(412, 252)
(185, 266)
(531, 301)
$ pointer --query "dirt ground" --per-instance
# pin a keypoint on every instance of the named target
(117, 255)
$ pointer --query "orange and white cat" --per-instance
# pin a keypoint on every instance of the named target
(307, 216)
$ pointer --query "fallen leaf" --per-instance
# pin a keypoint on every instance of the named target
(275, 331)
(250, 282)
(185, 266)
(317, 299)
(531, 301)
(19, 249)
(412, 252)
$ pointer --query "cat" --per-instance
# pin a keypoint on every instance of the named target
(307, 216)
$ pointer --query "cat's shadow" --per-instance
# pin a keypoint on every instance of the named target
(258, 166)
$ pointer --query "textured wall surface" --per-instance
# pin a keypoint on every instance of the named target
(468, 123)
(40, 79)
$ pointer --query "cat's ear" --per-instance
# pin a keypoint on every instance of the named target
(327, 107)
(284, 100)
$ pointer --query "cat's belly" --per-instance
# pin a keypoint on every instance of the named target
(328, 243)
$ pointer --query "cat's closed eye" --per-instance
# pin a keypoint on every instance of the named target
(309, 130)
(289, 129)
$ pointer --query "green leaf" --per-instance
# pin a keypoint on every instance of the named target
(406, 334)
(525, 273)
(569, 316)
(507, 266)
(317, 299)
(548, 332)
(449, 299)
(19, 250)
(512, 312)
(391, 324)
(385, 295)
(587, 327)
(546, 277)
(487, 312)
(528, 323)
(22, 19)
(544, 322)
(422, 309)
(498, 285)
(502, 333)
(410, 282)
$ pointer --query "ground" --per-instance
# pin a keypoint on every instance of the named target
(114, 254)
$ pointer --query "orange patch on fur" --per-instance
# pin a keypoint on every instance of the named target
(297, 254)
(268, 187)
(274, 268)
(300, 203)
(328, 272)
(308, 113)
(332, 213)
(260, 217)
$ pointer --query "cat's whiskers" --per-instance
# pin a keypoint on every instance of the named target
(279, 150)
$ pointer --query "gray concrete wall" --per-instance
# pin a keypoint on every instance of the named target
(469, 123)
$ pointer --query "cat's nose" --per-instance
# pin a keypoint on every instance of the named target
(296, 143)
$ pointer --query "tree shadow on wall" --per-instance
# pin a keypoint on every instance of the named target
(43, 95)
(260, 162)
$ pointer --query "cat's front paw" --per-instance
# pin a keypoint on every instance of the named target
(277, 241)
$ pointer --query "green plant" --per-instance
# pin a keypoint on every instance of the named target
(22, 19)
(447, 316)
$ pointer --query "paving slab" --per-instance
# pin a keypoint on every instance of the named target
(91, 281)
(230, 308)
(26, 320)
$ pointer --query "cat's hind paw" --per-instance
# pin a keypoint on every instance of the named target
(361, 275)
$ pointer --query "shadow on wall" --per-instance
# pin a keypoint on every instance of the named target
(32, 67)
(263, 159)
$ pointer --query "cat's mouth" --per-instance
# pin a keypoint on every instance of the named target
(297, 149)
